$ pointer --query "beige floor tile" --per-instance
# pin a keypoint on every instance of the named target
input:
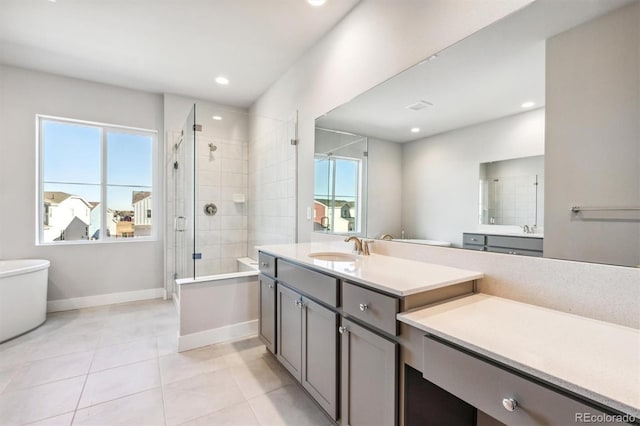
(289, 405)
(126, 353)
(5, 378)
(258, 377)
(126, 333)
(187, 364)
(246, 350)
(51, 369)
(198, 396)
(237, 415)
(167, 344)
(143, 408)
(40, 402)
(61, 420)
(15, 355)
(59, 344)
(121, 381)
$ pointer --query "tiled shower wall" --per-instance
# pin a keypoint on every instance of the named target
(221, 179)
(272, 183)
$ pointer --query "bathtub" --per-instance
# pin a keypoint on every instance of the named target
(218, 308)
(23, 296)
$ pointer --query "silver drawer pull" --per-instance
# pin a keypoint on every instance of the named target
(265, 264)
(270, 286)
(299, 304)
(509, 404)
(364, 307)
(343, 330)
(474, 239)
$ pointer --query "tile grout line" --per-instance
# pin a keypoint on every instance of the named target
(86, 378)
(164, 409)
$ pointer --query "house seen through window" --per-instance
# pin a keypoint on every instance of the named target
(96, 181)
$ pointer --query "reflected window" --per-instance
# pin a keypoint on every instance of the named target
(338, 194)
(96, 181)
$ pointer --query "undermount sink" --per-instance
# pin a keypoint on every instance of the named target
(333, 256)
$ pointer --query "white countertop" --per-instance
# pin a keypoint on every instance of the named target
(507, 233)
(393, 275)
(594, 359)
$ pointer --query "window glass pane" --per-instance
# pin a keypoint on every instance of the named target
(322, 197)
(70, 212)
(71, 153)
(346, 195)
(129, 211)
(129, 158)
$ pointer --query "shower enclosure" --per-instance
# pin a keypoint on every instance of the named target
(231, 185)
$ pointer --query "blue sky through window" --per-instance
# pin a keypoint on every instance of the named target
(72, 156)
(346, 178)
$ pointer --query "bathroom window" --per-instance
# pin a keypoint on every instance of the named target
(95, 182)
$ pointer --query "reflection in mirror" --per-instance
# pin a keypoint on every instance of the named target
(555, 85)
(340, 174)
(512, 193)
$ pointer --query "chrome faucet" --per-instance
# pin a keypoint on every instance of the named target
(387, 237)
(357, 243)
(525, 229)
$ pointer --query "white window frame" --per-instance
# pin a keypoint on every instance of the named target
(360, 201)
(104, 129)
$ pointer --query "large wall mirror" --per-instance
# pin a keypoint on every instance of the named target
(523, 138)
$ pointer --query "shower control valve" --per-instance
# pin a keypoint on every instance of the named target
(210, 209)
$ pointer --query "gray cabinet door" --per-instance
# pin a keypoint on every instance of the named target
(268, 312)
(289, 330)
(320, 355)
(369, 377)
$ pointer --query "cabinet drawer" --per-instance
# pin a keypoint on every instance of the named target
(515, 251)
(371, 307)
(474, 239)
(525, 243)
(315, 284)
(485, 386)
(267, 264)
(473, 247)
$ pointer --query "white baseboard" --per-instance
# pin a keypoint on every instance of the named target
(103, 299)
(217, 335)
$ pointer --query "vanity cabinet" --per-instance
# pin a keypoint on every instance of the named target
(369, 377)
(502, 394)
(267, 319)
(524, 246)
(307, 345)
(267, 306)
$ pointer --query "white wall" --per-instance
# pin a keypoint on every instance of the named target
(384, 200)
(82, 269)
(593, 140)
(375, 41)
(272, 182)
(440, 173)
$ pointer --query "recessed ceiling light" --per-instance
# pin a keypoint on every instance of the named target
(528, 104)
(415, 130)
(217, 117)
(316, 3)
(222, 80)
(53, 1)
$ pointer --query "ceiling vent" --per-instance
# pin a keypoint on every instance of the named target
(419, 105)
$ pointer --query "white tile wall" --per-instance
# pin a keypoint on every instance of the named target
(272, 184)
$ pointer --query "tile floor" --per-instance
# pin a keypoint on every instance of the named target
(118, 365)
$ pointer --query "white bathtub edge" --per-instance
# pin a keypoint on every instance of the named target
(104, 299)
(217, 335)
